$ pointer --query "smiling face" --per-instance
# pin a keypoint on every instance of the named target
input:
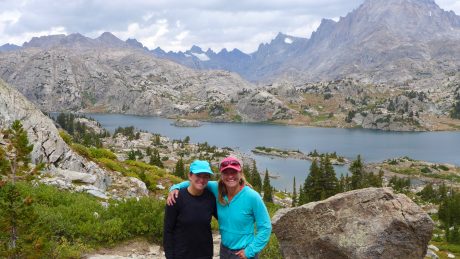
(199, 181)
(231, 177)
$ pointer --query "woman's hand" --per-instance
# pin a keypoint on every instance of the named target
(241, 254)
(172, 196)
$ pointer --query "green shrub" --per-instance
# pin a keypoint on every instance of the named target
(272, 250)
(112, 165)
(102, 153)
(425, 170)
(443, 167)
(64, 225)
(66, 137)
(81, 150)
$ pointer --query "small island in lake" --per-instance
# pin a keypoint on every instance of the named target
(297, 154)
(186, 123)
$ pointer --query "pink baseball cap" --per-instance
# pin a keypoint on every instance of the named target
(230, 162)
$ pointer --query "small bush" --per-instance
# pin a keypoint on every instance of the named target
(112, 165)
(102, 153)
(81, 150)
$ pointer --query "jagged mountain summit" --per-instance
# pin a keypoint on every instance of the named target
(76, 40)
(9, 47)
(382, 41)
(250, 66)
(395, 41)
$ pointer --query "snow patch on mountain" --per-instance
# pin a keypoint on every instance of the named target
(288, 40)
(201, 56)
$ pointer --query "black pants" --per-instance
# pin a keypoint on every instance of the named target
(226, 253)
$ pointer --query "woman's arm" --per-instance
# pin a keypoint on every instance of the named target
(174, 190)
(168, 230)
(264, 228)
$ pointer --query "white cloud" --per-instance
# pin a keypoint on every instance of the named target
(23, 37)
(175, 24)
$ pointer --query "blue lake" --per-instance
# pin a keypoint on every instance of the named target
(372, 145)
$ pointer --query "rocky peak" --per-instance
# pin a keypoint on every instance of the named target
(196, 49)
(134, 43)
(44, 41)
(9, 47)
(419, 19)
(110, 40)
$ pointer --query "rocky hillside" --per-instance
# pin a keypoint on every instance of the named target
(120, 80)
(64, 167)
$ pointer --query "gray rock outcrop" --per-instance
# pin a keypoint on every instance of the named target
(67, 169)
(366, 223)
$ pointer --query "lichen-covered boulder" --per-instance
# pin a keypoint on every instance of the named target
(366, 223)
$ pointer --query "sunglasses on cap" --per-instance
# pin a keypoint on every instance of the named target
(227, 163)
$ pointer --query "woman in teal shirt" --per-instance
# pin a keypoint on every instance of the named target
(239, 207)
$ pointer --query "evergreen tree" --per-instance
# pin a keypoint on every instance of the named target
(268, 190)
(13, 208)
(155, 159)
(132, 155)
(5, 167)
(148, 151)
(247, 174)
(180, 169)
(329, 180)
(312, 186)
(302, 198)
(19, 148)
(256, 179)
(294, 195)
(342, 184)
(357, 174)
(428, 193)
(400, 185)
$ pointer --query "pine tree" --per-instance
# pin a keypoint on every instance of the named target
(330, 182)
(302, 198)
(247, 174)
(256, 179)
(180, 169)
(155, 159)
(5, 167)
(13, 208)
(19, 149)
(312, 186)
(294, 195)
(268, 190)
(357, 174)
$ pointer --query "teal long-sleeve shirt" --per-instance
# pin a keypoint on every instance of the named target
(237, 218)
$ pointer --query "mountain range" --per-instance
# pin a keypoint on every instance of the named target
(375, 68)
(381, 41)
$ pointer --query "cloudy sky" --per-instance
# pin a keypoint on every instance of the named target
(175, 24)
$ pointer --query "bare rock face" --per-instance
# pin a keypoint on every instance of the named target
(366, 223)
(67, 169)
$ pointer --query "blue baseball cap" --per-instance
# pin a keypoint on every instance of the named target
(200, 166)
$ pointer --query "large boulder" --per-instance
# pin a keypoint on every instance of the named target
(366, 223)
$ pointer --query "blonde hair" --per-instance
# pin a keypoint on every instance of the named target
(222, 189)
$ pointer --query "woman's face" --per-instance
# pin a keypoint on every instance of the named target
(199, 181)
(231, 177)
